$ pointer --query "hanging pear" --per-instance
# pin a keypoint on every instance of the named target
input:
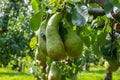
(41, 51)
(55, 46)
(111, 65)
(72, 41)
(40, 57)
(42, 37)
(53, 73)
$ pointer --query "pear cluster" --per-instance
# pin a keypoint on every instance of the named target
(50, 42)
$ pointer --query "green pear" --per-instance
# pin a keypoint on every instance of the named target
(40, 57)
(42, 37)
(55, 46)
(111, 65)
(54, 74)
(72, 41)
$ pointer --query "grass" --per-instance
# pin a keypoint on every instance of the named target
(7, 74)
(95, 73)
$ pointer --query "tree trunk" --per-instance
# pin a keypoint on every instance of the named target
(87, 66)
(20, 68)
(108, 76)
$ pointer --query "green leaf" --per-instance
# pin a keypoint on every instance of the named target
(108, 6)
(106, 50)
(96, 49)
(102, 39)
(77, 61)
(115, 3)
(79, 15)
(33, 42)
(35, 5)
(86, 41)
(35, 21)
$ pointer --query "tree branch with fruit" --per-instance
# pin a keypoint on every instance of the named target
(72, 29)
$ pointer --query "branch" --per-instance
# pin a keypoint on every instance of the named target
(93, 11)
(96, 12)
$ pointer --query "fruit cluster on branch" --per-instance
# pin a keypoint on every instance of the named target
(53, 44)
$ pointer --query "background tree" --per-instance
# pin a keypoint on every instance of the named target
(15, 32)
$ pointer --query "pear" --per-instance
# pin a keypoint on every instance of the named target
(55, 46)
(42, 37)
(72, 41)
(54, 73)
(111, 65)
(41, 51)
(40, 57)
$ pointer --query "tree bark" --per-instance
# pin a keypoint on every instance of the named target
(108, 76)
(87, 66)
(96, 12)
(93, 11)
